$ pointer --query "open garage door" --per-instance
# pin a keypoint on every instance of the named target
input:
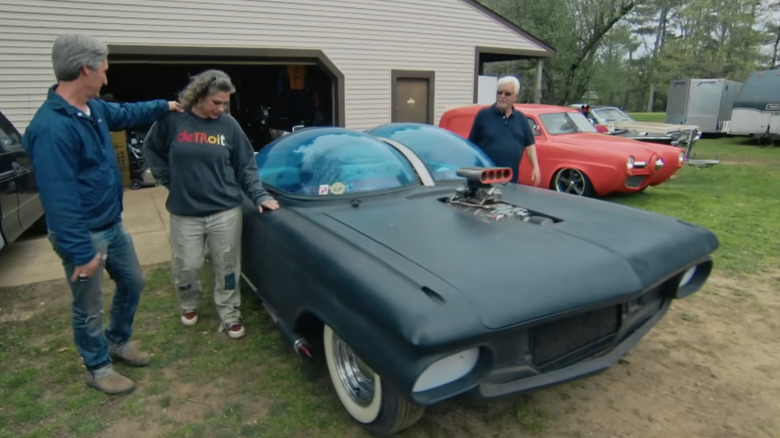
(275, 90)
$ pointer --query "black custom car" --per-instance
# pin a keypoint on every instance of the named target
(402, 256)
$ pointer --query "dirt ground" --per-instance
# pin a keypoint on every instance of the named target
(711, 368)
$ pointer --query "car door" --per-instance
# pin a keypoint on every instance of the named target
(30, 208)
(10, 226)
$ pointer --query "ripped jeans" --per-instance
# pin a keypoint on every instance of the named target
(120, 260)
(222, 233)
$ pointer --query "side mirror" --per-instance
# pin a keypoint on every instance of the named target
(537, 131)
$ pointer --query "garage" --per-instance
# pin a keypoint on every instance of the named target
(275, 92)
(345, 63)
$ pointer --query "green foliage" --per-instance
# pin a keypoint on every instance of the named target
(736, 199)
(649, 117)
(202, 384)
(713, 39)
(574, 28)
(626, 53)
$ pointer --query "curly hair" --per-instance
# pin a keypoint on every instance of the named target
(205, 84)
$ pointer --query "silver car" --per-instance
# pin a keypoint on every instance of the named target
(616, 119)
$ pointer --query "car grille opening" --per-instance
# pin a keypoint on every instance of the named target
(634, 181)
(561, 343)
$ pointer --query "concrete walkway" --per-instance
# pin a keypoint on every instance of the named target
(31, 259)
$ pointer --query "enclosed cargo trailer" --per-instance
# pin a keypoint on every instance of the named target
(703, 102)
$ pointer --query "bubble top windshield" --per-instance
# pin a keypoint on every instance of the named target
(442, 151)
(333, 161)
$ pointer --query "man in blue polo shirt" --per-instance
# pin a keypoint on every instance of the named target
(503, 132)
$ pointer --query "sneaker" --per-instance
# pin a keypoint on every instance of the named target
(132, 356)
(235, 330)
(189, 317)
(112, 383)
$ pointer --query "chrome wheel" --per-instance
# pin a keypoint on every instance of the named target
(356, 377)
(359, 388)
(381, 409)
(572, 181)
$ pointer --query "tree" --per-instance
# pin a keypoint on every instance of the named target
(652, 18)
(773, 34)
(716, 39)
(775, 29)
(575, 28)
(628, 51)
(613, 77)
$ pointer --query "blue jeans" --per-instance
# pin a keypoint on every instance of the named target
(115, 245)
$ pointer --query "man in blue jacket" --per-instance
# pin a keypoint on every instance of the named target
(81, 191)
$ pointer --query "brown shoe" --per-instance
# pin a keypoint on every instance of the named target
(111, 384)
(132, 356)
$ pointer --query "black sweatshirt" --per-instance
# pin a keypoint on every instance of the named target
(204, 163)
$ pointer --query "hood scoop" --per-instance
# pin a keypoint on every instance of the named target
(480, 198)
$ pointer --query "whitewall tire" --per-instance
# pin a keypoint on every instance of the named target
(379, 408)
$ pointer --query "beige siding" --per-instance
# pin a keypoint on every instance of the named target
(365, 39)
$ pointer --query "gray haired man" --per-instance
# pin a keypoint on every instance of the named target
(81, 191)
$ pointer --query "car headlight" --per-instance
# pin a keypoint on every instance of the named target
(659, 163)
(446, 370)
(687, 276)
(681, 158)
(630, 163)
(693, 279)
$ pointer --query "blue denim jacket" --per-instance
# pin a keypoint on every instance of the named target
(75, 164)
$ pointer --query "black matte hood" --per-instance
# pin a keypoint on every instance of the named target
(513, 272)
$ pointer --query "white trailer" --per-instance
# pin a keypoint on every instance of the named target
(757, 107)
(703, 102)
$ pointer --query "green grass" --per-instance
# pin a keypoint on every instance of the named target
(737, 199)
(255, 386)
(202, 384)
(649, 117)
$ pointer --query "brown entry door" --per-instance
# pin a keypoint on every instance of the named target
(411, 100)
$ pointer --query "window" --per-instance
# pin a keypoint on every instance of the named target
(533, 127)
(9, 137)
(442, 151)
(333, 161)
(607, 115)
(566, 123)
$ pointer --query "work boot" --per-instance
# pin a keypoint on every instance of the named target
(112, 383)
(132, 356)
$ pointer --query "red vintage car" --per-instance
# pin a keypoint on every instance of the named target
(575, 158)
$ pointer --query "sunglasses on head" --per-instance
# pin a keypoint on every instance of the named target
(503, 93)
